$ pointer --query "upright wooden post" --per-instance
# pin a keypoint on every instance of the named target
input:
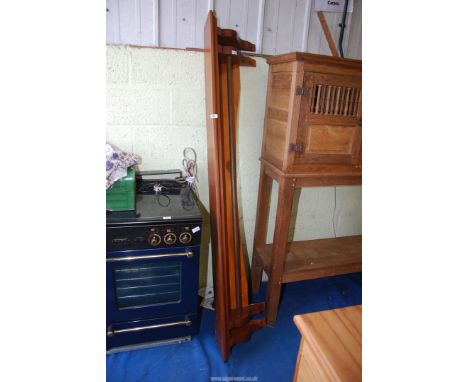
(328, 35)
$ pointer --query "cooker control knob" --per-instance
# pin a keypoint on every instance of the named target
(154, 239)
(170, 238)
(185, 237)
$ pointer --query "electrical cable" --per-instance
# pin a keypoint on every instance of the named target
(189, 164)
(187, 199)
(163, 188)
(342, 26)
(164, 204)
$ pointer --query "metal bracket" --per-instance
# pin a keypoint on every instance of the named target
(296, 148)
(242, 326)
(300, 90)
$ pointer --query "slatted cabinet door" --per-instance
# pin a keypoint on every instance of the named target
(329, 128)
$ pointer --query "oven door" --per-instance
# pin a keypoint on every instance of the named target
(151, 283)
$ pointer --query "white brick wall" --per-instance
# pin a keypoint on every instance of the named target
(156, 108)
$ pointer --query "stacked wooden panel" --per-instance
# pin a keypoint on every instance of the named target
(222, 84)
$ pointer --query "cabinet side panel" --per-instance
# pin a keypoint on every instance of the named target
(297, 81)
(276, 117)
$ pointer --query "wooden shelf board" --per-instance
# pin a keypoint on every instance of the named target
(318, 258)
(313, 171)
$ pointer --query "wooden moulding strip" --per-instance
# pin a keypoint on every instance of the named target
(222, 89)
(213, 109)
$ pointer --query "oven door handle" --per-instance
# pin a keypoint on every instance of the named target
(188, 254)
(111, 332)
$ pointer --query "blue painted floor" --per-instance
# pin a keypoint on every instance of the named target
(270, 355)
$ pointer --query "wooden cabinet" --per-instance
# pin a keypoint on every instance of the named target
(312, 137)
(313, 113)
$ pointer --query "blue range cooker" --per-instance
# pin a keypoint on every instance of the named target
(152, 265)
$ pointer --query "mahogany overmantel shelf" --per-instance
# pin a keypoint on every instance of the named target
(234, 320)
(311, 138)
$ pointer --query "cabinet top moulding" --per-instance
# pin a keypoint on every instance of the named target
(318, 59)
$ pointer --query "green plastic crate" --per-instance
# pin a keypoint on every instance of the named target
(121, 195)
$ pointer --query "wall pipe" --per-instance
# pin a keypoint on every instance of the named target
(342, 26)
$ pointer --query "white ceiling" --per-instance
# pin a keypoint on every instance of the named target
(275, 26)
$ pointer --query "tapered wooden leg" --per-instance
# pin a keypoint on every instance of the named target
(278, 253)
(261, 225)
